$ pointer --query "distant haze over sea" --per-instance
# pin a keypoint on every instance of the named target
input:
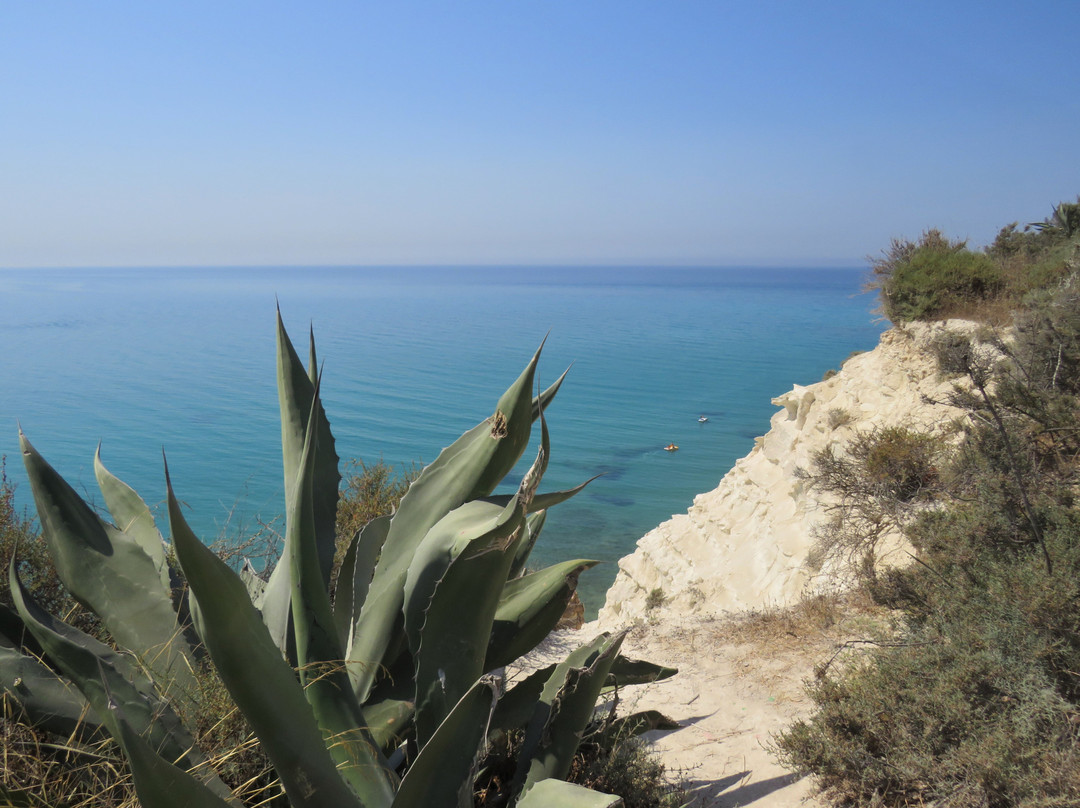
(184, 360)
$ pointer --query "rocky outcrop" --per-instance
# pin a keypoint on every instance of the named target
(745, 544)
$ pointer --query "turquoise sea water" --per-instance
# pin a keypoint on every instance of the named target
(183, 361)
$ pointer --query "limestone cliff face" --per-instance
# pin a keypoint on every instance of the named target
(745, 544)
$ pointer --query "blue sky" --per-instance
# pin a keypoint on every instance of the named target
(593, 131)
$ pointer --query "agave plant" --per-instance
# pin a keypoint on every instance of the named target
(384, 695)
(1064, 221)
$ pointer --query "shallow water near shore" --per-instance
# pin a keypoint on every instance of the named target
(183, 360)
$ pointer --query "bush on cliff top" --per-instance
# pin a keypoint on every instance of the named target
(935, 277)
(976, 702)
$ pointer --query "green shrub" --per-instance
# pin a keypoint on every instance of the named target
(875, 487)
(934, 278)
(974, 705)
(976, 701)
(368, 491)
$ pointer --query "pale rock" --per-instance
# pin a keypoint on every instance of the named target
(745, 544)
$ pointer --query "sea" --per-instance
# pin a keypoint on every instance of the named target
(181, 362)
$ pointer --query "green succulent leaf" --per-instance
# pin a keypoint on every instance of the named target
(544, 500)
(470, 468)
(530, 608)
(566, 795)
(259, 679)
(304, 420)
(299, 403)
(451, 595)
(46, 700)
(14, 634)
(354, 577)
(322, 674)
(108, 570)
(105, 678)
(442, 774)
(626, 671)
(158, 783)
(254, 583)
(630, 726)
(541, 402)
(389, 719)
(565, 707)
(133, 517)
(516, 706)
(534, 523)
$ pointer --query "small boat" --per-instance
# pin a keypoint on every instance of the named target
(671, 447)
(702, 419)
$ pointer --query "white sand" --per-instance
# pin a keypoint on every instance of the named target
(735, 689)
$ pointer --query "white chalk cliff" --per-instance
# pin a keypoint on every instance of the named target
(745, 544)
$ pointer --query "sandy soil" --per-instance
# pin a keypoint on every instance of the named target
(730, 697)
(740, 681)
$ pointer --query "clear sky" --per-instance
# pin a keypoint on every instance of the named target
(551, 131)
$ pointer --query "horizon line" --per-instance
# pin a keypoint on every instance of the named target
(845, 264)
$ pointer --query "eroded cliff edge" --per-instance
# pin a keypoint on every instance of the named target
(746, 543)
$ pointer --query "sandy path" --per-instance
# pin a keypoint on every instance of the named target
(739, 682)
(730, 698)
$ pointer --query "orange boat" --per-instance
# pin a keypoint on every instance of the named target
(671, 447)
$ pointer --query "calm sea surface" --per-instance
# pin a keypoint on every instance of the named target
(183, 360)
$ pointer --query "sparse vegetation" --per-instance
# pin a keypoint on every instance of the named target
(976, 699)
(876, 486)
(628, 767)
(655, 599)
(838, 417)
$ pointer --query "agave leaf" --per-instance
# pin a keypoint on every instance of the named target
(388, 719)
(451, 592)
(626, 671)
(298, 400)
(302, 413)
(566, 795)
(530, 608)
(534, 523)
(14, 634)
(548, 499)
(133, 517)
(254, 583)
(442, 774)
(565, 708)
(541, 402)
(108, 571)
(105, 677)
(471, 467)
(313, 360)
(45, 699)
(158, 783)
(326, 684)
(261, 682)
(630, 726)
(354, 577)
(442, 544)
(517, 705)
